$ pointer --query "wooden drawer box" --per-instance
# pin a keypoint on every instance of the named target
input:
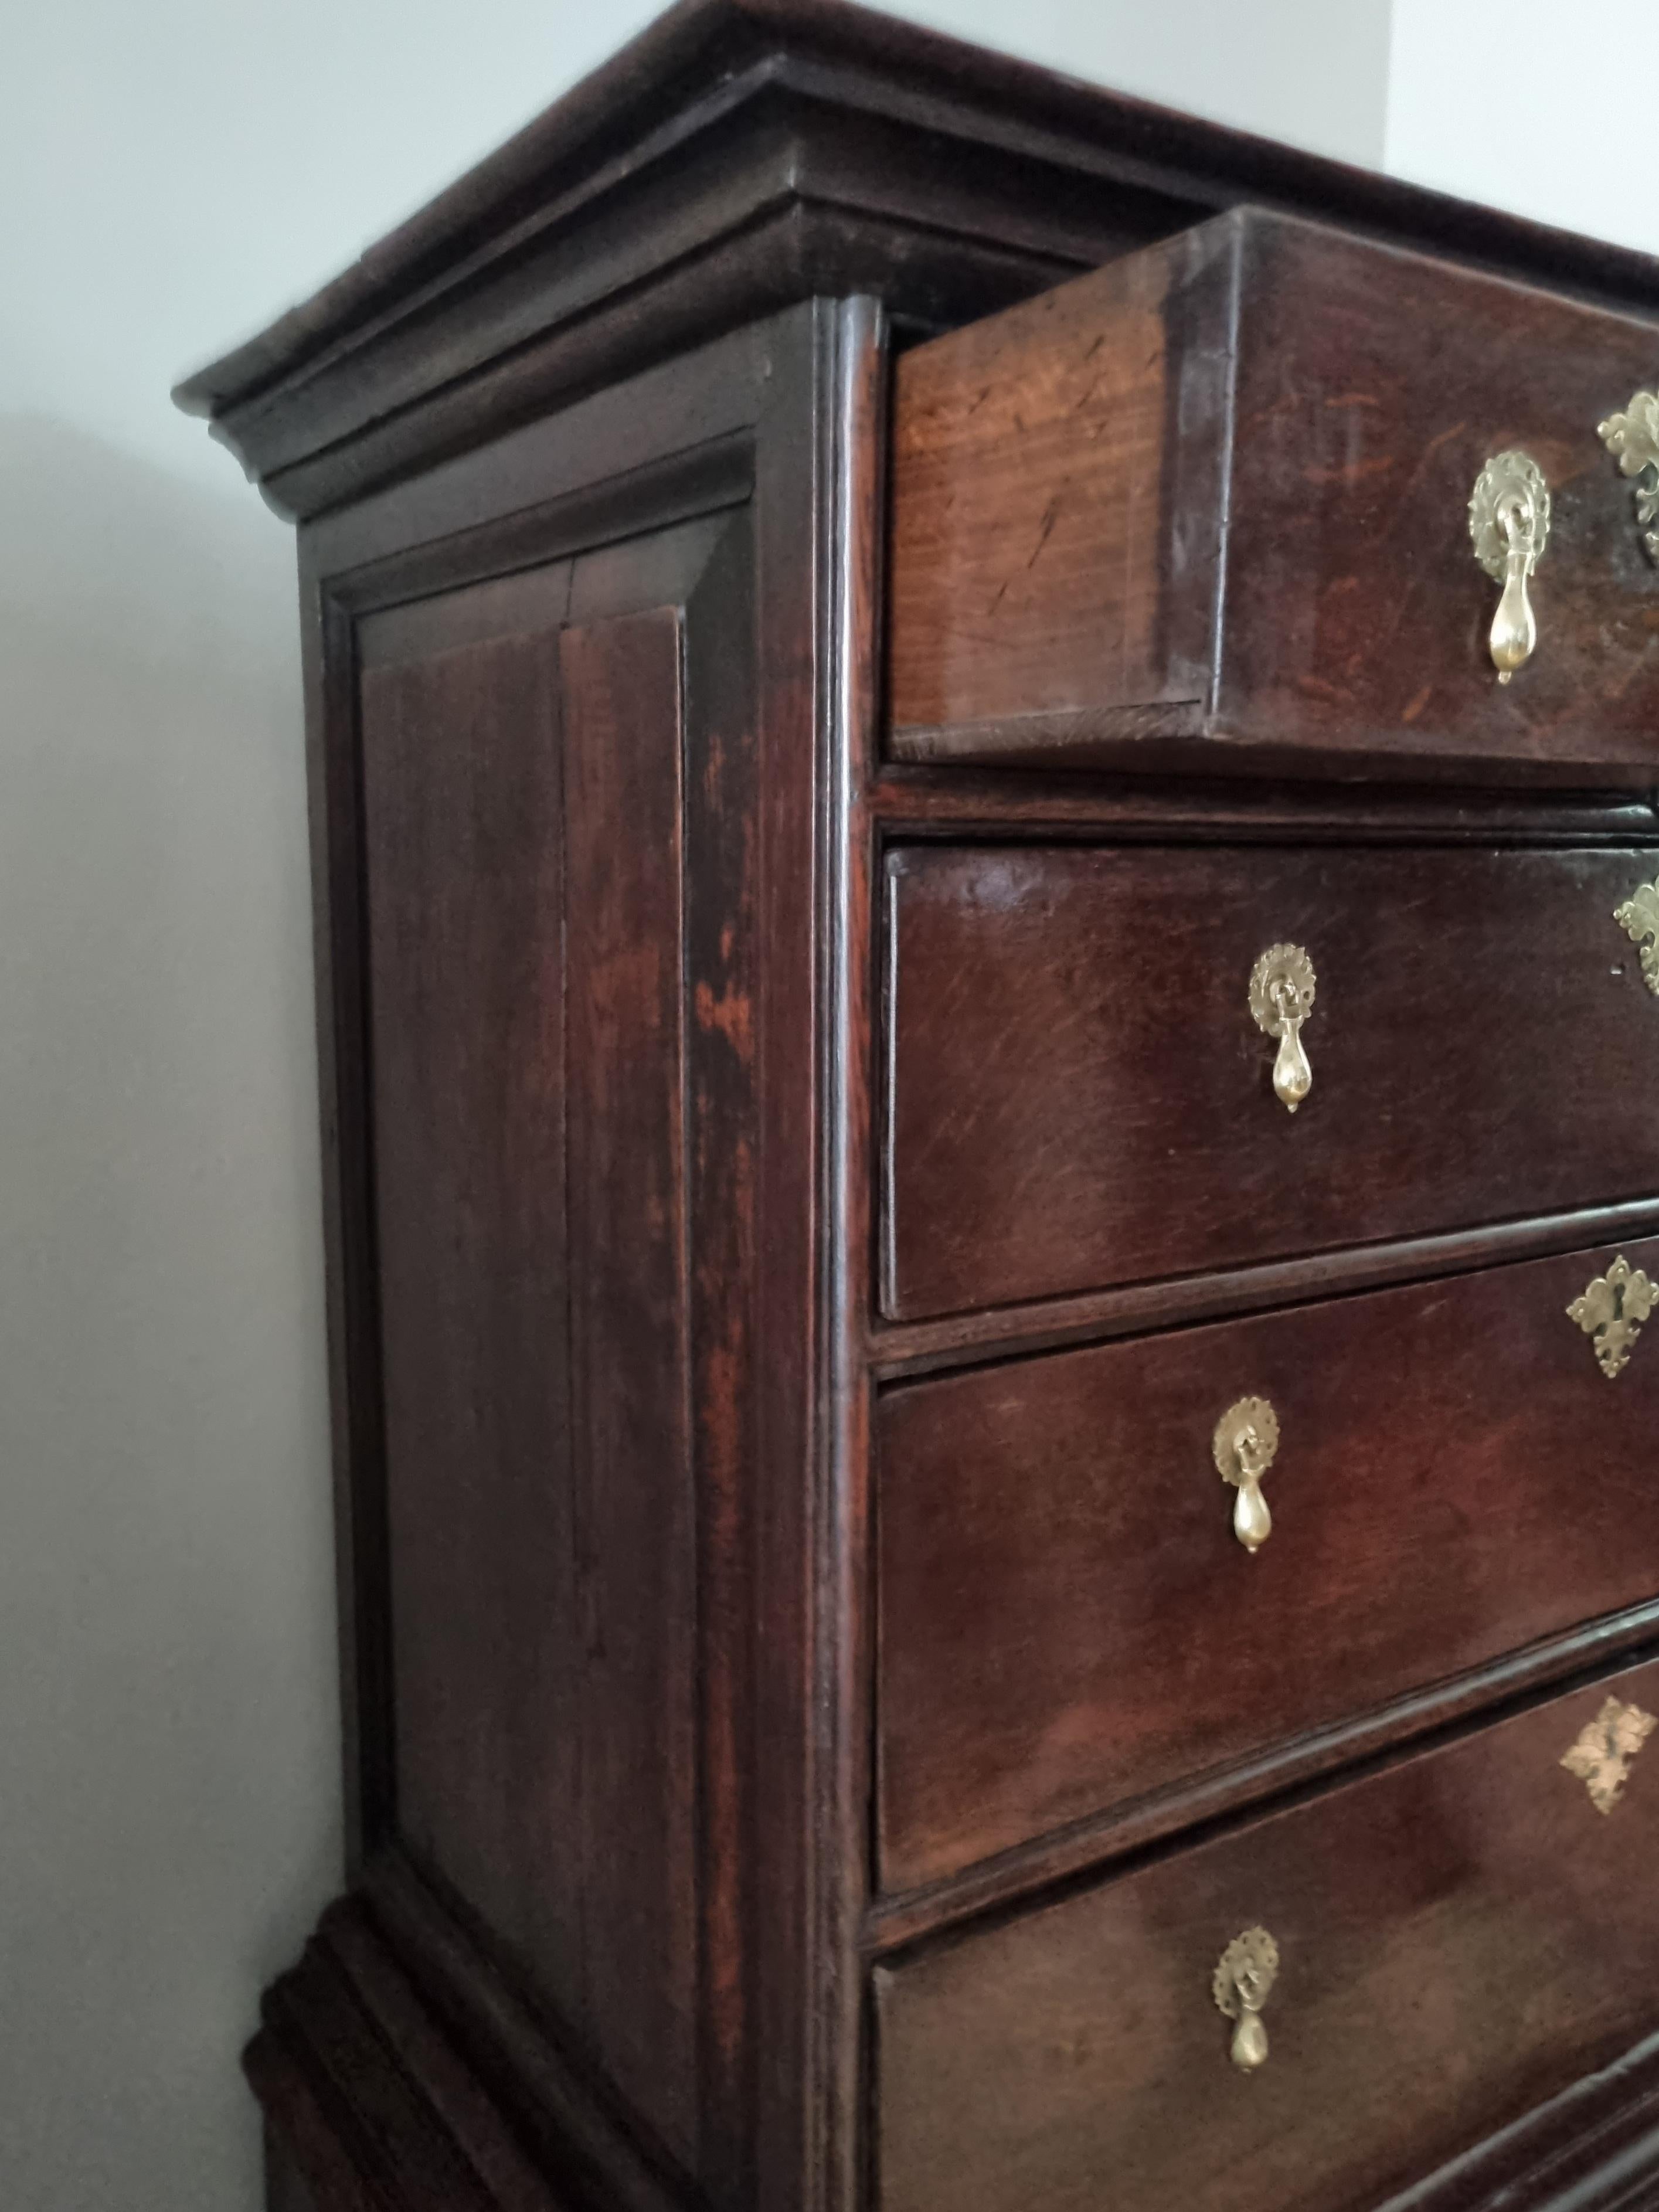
(1079, 1096)
(1210, 506)
(1458, 1937)
(1068, 1622)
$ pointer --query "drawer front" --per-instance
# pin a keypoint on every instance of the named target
(1068, 1621)
(1211, 504)
(1079, 1095)
(1458, 1937)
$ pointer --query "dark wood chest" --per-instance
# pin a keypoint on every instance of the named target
(987, 936)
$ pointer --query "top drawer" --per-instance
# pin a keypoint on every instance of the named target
(1210, 506)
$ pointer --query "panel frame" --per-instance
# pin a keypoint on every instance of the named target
(777, 426)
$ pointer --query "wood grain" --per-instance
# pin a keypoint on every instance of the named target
(581, 525)
(371, 2104)
(1593, 2148)
(1068, 1622)
(938, 802)
(1373, 385)
(530, 1076)
(923, 1347)
(635, 1536)
(1461, 1936)
(500, 2043)
(285, 2187)
(1079, 1094)
(466, 867)
(1234, 471)
(1040, 460)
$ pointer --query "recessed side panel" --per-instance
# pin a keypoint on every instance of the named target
(636, 1533)
(464, 838)
(522, 799)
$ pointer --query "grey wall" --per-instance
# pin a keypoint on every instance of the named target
(170, 176)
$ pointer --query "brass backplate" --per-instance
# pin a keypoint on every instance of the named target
(1249, 1963)
(1611, 1309)
(1602, 1754)
(1632, 438)
(1638, 917)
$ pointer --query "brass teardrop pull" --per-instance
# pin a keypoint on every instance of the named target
(1243, 1983)
(1246, 1440)
(1510, 527)
(1514, 628)
(1282, 985)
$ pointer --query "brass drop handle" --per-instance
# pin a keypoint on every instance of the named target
(1510, 527)
(1243, 1983)
(1282, 985)
(1514, 627)
(1246, 1440)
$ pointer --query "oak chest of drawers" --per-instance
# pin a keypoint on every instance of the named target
(988, 965)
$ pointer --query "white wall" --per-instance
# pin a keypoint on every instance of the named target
(1537, 106)
(1313, 72)
(171, 175)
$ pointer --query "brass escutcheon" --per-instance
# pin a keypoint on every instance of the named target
(1282, 985)
(1632, 439)
(1638, 917)
(1602, 1754)
(1246, 1441)
(1611, 1309)
(1243, 1983)
(1510, 527)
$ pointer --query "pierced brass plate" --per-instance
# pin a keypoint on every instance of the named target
(1632, 439)
(1638, 918)
(1601, 1757)
(1611, 1310)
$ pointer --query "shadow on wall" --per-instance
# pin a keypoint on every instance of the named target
(167, 1723)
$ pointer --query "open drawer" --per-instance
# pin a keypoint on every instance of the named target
(1210, 506)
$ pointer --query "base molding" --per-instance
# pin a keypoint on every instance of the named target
(359, 2092)
(396, 2073)
(372, 2102)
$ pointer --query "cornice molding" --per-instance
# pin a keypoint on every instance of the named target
(740, 155)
